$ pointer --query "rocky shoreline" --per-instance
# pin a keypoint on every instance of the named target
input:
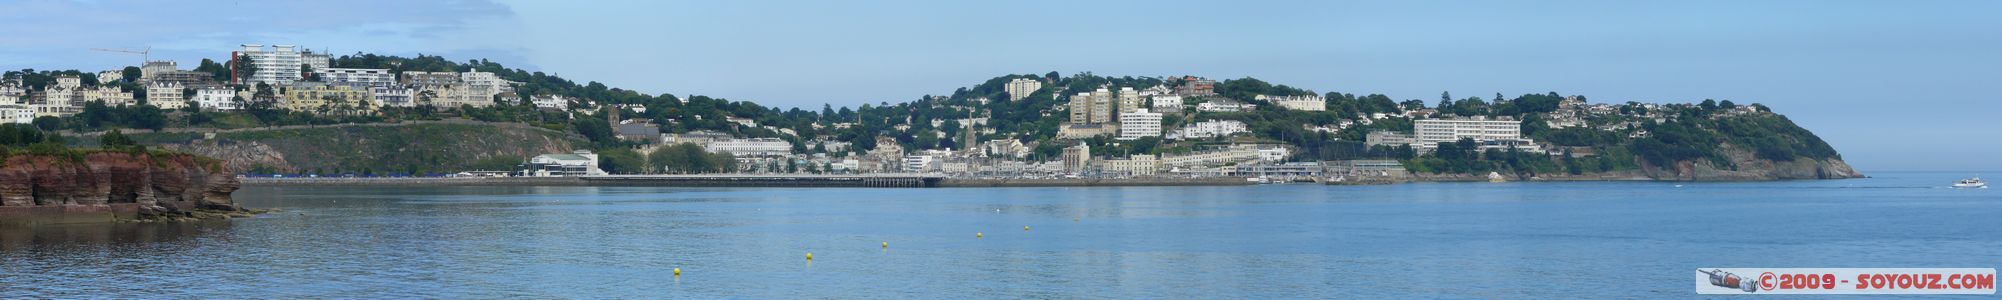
(96, 186)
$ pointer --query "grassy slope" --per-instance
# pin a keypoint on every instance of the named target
(418, 148)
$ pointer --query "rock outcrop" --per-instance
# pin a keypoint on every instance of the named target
(1747, 167)
(106, 186)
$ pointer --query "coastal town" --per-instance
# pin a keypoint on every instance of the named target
(1075, 127)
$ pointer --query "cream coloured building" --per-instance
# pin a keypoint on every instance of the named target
(330, 99)
(1137, 165)
(1022, 87)
(1091, 107)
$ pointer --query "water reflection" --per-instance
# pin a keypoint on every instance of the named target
(108, 234)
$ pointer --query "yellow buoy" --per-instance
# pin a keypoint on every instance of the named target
(978, 235)
(677, 271)
(1025, 228)
(809, 256)
(886, 245)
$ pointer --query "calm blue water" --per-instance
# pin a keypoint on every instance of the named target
(1453, 240)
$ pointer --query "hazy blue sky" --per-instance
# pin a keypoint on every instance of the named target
(1894, 85)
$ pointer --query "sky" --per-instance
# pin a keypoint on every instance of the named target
(1893, 85)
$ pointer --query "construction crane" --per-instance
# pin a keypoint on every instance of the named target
(144, 55)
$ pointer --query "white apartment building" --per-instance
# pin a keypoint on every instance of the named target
(1214, 128)
(18, 114)
(480, 88)
(317, 61)
(1167, 103)
(281, 65)
(1022, 87)
(1391, 139)
(1300, 103)
(356, 77)
(394, 96)
(1224, 106)
(430, 78)
(1431, 132)
(1138, 124)
(750, 147)
(557, 102)
(918, 163)
(216, 97)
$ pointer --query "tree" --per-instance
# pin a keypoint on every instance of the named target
(114, 139)
(131, 74)
(48, 123)
(242, 69)
(621, 161)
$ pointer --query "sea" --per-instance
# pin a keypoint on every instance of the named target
(1281, 241)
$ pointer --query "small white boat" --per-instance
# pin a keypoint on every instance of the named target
(1970, 183)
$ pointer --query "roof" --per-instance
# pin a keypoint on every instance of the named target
(565, 157)
(647, 129)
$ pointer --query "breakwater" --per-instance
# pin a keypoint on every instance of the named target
(746, 180)
(720, 180)
(1036, 182)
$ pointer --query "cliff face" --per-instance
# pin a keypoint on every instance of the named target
(1746, 166)
(112, 186)
(432, 147)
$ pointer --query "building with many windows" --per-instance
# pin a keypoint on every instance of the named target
(1022, 87)
(394, 96)
(280, 65)
(329, 99)
(165, 95)
(1076, 158)
(215, 97)
(750, 147)
(1213, 128)
(1431, 132)
(357, 77)
(1137, 165)
(1300, 103)
(1130, 100)
(556, 102)
(1138, 124)
(1091, 107)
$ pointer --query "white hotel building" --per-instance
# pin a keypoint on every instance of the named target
(1431, 132)
(1138, 124)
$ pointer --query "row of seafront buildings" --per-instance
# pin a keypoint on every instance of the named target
(300, 80)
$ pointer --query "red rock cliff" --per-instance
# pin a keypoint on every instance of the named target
(110, 186)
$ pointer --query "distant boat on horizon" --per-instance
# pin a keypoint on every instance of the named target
(1971, 183)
